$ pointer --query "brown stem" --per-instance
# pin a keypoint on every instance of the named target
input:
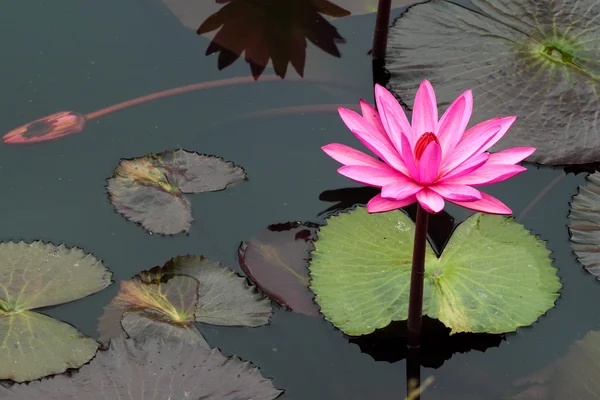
(193, 87)
(382, 24)
(415, 302)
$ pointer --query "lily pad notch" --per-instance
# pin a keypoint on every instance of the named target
(167, 300)
(493, 276)
(36, 275)
(150, 190)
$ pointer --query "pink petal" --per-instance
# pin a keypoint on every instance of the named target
(456, 192)
(487, 174)
(400, 190)
(372, 138)
(505, 125)
(379, 204)
(453, 123)
(393, 117)
(469, 146)
(487, 204)
(425, 112)
(430, 201)
(511, 156)
(467, 167)
(373, 176)
(371, 115)
(348, 156)
(478, 139)
(429, 164)
(409, 158)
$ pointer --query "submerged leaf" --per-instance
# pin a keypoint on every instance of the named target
(142, 308)
(584, 224)
(224, 297)
(493, 276)
(574, 376)
(149, 190)
(538, 60)
(276, 260)
(38, 275)
(153, 369)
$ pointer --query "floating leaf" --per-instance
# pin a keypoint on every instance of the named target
(153, 369)
(584, 224)
(539, 60)
(276, 260)
(165, 308)
(167, 300)
(36, 275)
(149, 190)
(224, 297)
(574, 376)
(493, 276)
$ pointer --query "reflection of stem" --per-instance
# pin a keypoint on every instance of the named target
(415, 302)
(382, 23)
(413, 373)
(183, 89)
(540, 195)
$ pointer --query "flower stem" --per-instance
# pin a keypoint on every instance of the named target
(382, 23)
(415, 302)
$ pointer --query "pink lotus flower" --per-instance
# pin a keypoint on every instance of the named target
(431, 160)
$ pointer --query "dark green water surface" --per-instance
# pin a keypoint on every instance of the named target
(83, 55)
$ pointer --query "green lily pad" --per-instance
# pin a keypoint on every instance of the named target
(152, 369)
(584, 224)
(160, 308)
(224, 297)
(538, 60)
(36, 275)
(493, 275)
(149, 190)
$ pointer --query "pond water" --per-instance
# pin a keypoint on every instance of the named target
(86, 55)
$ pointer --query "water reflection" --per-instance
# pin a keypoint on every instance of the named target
(272, 30)
(437, 346)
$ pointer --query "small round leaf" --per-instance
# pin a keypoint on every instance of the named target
(149, 190)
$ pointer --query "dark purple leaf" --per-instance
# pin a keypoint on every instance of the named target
(276, 260)
(152, 370)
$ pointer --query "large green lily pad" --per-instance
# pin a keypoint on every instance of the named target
(584, 224)
(149, 190)
(538, 60)
(153, 369)
(36, 275)
(493, 275)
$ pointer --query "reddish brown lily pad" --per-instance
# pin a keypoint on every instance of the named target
(164, 308)
(152, 369)
(276, 260)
